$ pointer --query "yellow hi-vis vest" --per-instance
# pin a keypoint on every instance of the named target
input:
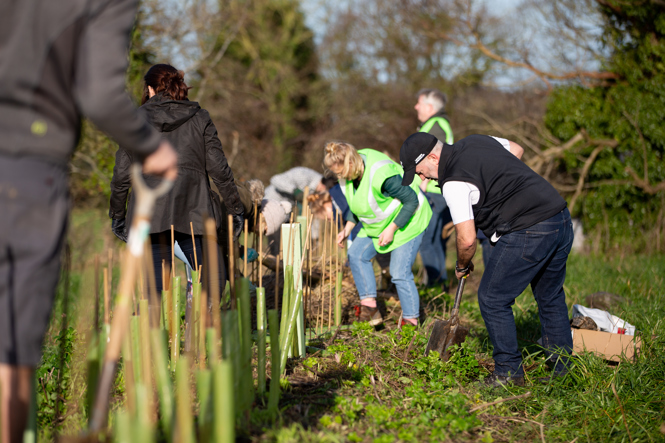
(375, 210)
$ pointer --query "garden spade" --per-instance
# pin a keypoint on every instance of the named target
(143, 208)
(446, 333)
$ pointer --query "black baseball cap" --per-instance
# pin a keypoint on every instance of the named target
(414, 149)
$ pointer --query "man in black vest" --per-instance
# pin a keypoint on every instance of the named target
(487, 186)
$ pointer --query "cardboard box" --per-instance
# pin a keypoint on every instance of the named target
(606, 345)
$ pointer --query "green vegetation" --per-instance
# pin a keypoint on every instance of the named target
(625, 195)
(384, 390)
(369, 385)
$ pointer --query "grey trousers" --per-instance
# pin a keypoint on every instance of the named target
(34, 211)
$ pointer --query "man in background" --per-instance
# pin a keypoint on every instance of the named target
(58, 61)
(431, 108)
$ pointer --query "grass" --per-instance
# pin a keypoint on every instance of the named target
(376, 386)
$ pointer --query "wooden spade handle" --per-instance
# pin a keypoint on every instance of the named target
(145, 204)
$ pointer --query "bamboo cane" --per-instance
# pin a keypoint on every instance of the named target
(308, 306)
(97, 307)
(244, 259)
(255, 264)
(106, 296)
(172, 251)
(324, 238)
(279, 258)
(213, 278)
(330, 274)
(107, 308)
(232, 265)
(260, 265)
(196, 260)
(338, 285)
(305, 194)
(175, 332)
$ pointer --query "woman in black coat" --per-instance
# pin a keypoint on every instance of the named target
(193, 135)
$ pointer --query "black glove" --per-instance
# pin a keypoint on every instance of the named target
(238, 224)
(118, 228)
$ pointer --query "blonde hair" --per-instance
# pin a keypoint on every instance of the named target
(317, 203)
(345, 154)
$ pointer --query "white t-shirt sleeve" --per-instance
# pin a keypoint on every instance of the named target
(460, 197)
(505, 143)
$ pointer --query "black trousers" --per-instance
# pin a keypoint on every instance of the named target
(161, 251)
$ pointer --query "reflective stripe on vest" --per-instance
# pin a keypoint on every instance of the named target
(380, 215)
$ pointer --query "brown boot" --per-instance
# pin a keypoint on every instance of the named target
(371, 315)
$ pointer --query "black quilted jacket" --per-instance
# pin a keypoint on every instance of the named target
(193, 135)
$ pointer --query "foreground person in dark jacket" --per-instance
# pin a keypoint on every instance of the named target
(60, 60)
(191, 131)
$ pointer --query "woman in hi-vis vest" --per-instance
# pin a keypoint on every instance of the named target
(394, 218)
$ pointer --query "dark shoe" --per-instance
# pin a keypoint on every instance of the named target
(496, 381)
(370, 315)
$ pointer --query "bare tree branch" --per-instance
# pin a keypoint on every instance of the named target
(582, 177)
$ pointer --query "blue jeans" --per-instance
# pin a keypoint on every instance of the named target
(537, 256)
(361, 253)
(433, 247)
(487, 247)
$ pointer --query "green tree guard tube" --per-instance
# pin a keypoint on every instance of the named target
(273, 399)
(223, 403)
(204, 391)
(163, 379)
(246, 380)
(212, 347)
(261, 330)
(185, 426)
(135, 337)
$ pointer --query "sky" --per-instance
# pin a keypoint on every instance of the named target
(543, 48)
(315, 18)
(313, 10)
